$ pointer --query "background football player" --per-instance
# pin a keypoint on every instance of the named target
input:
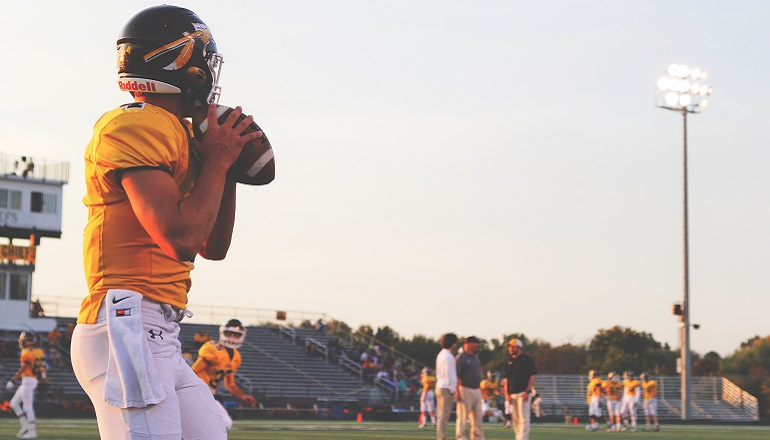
(613, 388)
(427, 398)
(219, 360)
(31, 371)
(594, 394)
(631, 391)
(156, 200)
(650, 405)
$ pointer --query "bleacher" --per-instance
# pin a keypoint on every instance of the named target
(277, 368)
(712, 398)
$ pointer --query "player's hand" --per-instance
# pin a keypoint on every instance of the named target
(249, 400)
(10, 386)
(223, 143)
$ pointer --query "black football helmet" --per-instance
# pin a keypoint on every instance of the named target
(168, 49)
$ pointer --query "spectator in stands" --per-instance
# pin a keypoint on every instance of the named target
(518, 384)
(650, 392)
(320, 326)
(68, 335)
(218, 361)
(446, 383)
(199, 339)
(54, 337)
(469, 400)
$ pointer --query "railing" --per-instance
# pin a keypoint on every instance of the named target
(288, 331)
(25, 167)
(317, 347)
(352, 366)
(384, 384)
(738, 398)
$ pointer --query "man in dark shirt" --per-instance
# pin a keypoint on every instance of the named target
(469, 402)
(519, 381)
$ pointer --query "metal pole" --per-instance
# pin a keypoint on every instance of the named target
(686, 359)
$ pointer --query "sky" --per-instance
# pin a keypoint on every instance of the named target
(485, 168)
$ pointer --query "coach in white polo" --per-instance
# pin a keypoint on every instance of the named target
(469, 401)
(446, 383)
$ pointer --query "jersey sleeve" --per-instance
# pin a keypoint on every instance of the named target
(136, 137)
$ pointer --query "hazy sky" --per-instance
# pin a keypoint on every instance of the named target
(479, 167)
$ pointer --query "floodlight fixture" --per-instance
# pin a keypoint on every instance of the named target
(681, 88)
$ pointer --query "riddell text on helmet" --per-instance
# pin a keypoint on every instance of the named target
(129, 86)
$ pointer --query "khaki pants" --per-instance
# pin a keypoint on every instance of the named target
(520, 414)
(470, 409)
(444, 400)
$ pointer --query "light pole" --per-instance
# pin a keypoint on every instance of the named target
(682, 89)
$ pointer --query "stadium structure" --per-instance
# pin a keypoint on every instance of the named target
(293, 369)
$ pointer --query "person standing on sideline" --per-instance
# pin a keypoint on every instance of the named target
(613, 389)
(469, 401)
(650, 392)
(31, 371)
(631, 390)
(594, 395)
(519, 381)
(157, 199)
(446, 383)
(427, 398)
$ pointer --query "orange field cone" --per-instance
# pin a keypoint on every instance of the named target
(360, 418)
(575, 421)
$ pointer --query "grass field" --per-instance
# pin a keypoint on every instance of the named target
(80, 429)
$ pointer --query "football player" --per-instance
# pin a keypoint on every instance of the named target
(631, 391)
(593, 396)
(31, 371)
(219, 360)
(613, 388)
(650, 405)
(427, 398)
(156, 200)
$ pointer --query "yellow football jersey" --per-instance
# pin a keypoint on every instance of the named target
(214, 365)
(613, 389)
(489, 388)
(594, 388)
(649, 389)
(630, 386)
(31, 360)
(117, 252)
(428, 383)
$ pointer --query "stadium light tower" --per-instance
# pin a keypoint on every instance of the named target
(681, 89)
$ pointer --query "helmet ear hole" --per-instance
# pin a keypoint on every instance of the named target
(196, 76)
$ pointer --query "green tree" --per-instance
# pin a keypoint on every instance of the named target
(387, 336)
(619, 349)
(749, 368)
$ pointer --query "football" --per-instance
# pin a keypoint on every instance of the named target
(255, 165)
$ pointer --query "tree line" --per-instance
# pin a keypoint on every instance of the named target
(615, 349)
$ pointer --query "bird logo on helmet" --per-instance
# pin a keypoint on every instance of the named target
(232, 334)
(613, 376)
(592, 374)
(644, 377)
(168, 49)
(628, 375)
